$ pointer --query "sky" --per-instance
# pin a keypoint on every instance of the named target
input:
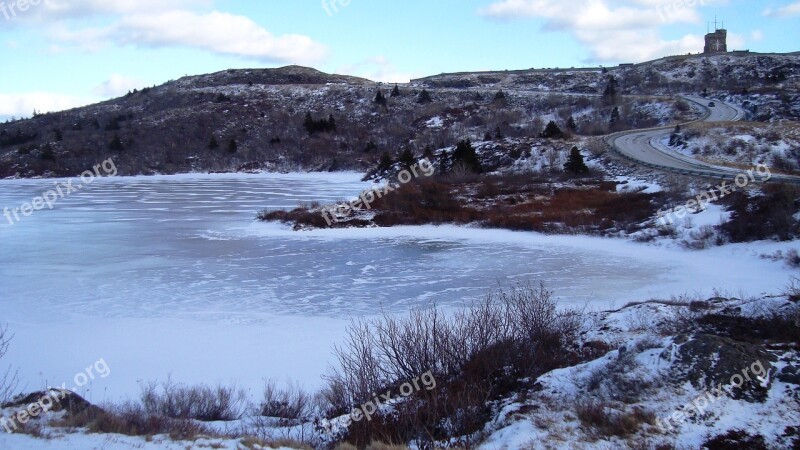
(58, 54)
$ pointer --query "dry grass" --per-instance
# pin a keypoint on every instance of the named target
(602, 421)
(519, 202)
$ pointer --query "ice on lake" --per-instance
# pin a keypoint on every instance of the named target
(165, 275)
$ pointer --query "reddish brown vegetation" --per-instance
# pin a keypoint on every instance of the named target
(515, 202)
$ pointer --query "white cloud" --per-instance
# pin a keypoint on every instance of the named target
(22, 104)
(377, 68)
(117, 85)
(217, 32)
(74, 9)
(757, 35)
(736, 41)
(792, 9)
(612, 30)
(180, 23)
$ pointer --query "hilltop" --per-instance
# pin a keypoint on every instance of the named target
(246, 120)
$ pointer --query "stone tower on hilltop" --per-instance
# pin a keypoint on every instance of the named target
(717, 42)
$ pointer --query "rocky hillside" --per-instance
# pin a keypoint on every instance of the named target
(300, 119)
(691, 73)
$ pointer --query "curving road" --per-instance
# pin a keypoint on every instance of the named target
(645, 147)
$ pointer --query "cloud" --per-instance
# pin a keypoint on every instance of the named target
(757, 35)
(217, 32)
(377, 68)
(792, 9)
(22, 104)
(180, 23)
(612, 30)
(51, 10)
(117, 86)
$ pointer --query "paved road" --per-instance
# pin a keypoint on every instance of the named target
(645, 147)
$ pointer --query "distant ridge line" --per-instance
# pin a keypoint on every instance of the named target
(735, 53)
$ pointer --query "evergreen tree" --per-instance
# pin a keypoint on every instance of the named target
(233, 146)
(58, 135)
(615, 120)
(47, 153)
(465, 153)
(424, 97)
(500, 97)
(498, 134)
(571, 125)
(314, 126)
(575, 163)
(611, 88)
(428, 153)
(380, 98)
(116, 144)
(385, 163)
(396, 91)
(310, 124)
(213, 144)
(407, 159)
(552, 131)
(675, 137)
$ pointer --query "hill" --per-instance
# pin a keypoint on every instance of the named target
(244, 120)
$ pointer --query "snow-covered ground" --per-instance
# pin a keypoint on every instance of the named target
(170, 276)
(644, 372)
(145, 271)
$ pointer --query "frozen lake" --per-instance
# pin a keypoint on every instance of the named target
(172, 275)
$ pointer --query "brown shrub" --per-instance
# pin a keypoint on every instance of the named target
(203, 403)
(734, 440)
(132, 419)
(602, 421)
(477, 356)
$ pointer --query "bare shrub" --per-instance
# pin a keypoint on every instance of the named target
(793, 258)
(201, 402)
(291, 403)
(383, 446)
(735, 439)
(619, 380)
(477, 355)
(597, 147)
(682, 317)
(641, 319)
(8, 380)
(703, 238)
(132, 419)
(792, 290)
